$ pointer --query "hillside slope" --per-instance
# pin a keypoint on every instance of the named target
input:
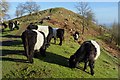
(55, 64)
(63, 18)
(59, 17)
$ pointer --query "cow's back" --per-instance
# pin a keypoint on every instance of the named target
(44, 29)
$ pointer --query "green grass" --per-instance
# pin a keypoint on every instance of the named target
(55, 64)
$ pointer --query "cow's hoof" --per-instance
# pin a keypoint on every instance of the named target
(43, 55)
(31, 61)
(60, 44)
(92, 73)
(47, 45)
(83, 69)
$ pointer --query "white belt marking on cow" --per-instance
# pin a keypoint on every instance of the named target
(77, 36)
(44, 29)
(97, 48)
(55, 32)
(13, 25)
(40, 40)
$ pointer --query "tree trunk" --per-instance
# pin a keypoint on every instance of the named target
(83, 29)
(83, 25)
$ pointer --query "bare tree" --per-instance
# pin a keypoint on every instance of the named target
(20, 10)
(85, 11)
(31, 7)
(28, 7)
(17, 13)
(4, 6)
(89, 17)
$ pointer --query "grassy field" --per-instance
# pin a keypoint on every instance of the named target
(54, 65)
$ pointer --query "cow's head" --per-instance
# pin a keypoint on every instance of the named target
(72, 61)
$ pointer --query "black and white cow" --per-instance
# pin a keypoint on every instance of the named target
(12, 25)
(47, 30)
(58, 33)
(88, 52)
(33, 40)
(3, 26)
(76, 35)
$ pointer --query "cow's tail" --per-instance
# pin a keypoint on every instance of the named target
(25, 43)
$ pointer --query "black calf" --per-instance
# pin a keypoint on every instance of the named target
(58, 33)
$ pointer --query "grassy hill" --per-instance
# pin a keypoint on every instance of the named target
(55, 64)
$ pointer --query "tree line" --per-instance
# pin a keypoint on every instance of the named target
(115, 33)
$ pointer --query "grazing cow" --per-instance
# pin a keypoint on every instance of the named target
(88, 52)
(33, 40)
(47, 30)
(47, 18)
(58, 33)
(3, 26)
(76, 35)
(13, 25)
(16, 24)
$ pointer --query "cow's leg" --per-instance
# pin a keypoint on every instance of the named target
(42, 51)
(85, 66)
(31, 54)
(2, 30)
(50, 35)
(60, 41)
(54, 40)
(48, 41)
(31, 50)
(85, 61)
(25, 44)
(77, 64)
(11, 29)
(91, 64)
(26, 51)
(17, 27)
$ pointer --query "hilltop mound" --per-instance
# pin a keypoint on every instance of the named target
(59, 17)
